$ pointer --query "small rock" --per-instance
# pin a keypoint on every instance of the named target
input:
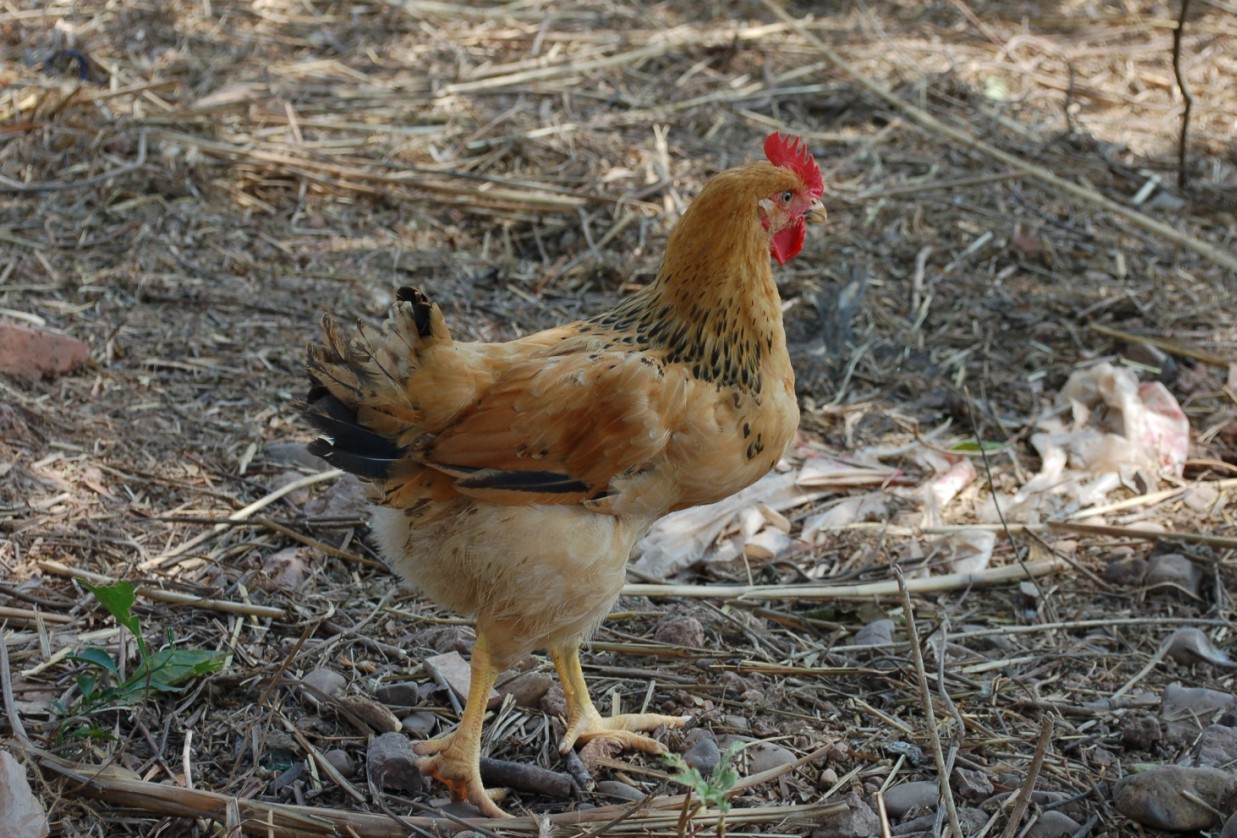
(1230, 827)
(1189, 645)
(857, 820)
(1154, 798)
(285, 570)
(703, 756)
(1216, 747)
(1201, 498)
(971, 784)
(598, 749)
(1179, 703)
(1154, 357)
(527, 688)
(554, 702)
(418, 724)
(1125, 571)
(1173, 571)
(765, 756)
(400, 695)
(34, 353)
(828, 779)
(1053, 824)
(620, 791)
(451, 669)
(443, 639)
(297, 497)
(875, 633)
(736, 722)
(903, 797)
(392, 765)
(1140, 733)
(696, 734)
(341, 761)
(325, 683)
(345, 498)
(286, 778)
(679, 630)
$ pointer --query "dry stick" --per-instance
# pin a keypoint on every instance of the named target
(1024, 793)
(1149, 535)
(930, 584)
(1182, 174)
(1169, 345)
(320, 546)
(6, 688)
(925, 696)
(241, 515)
(965, 140)
(160, 595)
(28, 616)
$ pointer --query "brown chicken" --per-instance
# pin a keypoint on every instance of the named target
(511, 480)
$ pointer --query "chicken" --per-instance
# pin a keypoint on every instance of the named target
(511, 480)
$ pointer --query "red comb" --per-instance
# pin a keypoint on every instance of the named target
(791, 152)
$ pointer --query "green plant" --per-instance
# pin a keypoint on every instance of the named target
(709, 791)
(164, 670)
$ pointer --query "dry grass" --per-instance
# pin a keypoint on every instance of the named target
(188, 185)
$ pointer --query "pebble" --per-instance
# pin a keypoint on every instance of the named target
(679, 630)
(418, 724)
(1154, 798)
(528, 688)
(33, 353)
(764, 756)
(392, 765)
(327, 682)
(1053, 824)
(451, 668)
(341, 761)
(703, 755)
(858, 821)
(402, 694)
(903, 797)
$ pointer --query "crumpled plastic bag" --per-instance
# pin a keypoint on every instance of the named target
(1114, 432)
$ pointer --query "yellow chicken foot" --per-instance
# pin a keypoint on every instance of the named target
(585, 723)
(455, 759)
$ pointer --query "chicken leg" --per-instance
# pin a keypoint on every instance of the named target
(455, 759)
(585, 723)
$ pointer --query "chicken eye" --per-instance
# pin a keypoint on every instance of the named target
(786, 196)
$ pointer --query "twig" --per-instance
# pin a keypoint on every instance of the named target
(523, 776)
(241, 515)
(1169, 345)
(160, 595)
(1182, 171)
(6, 689)
(28, 616)
(1024, 794)
(929, 714)
(931, 584)
(320, 546)
(968, 141)
(1149, 535)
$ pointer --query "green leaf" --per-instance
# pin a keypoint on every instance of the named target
(97, 657)
(167, 668)
(118, 599)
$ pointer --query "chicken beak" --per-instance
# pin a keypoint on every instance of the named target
(816, 213)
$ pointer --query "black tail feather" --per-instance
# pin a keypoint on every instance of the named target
(347, 444)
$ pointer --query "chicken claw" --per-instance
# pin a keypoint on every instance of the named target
(585, 723)
(449, 760)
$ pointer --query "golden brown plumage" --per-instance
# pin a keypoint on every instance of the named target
(511, 480)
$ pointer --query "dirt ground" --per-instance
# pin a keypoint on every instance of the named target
(186, 187)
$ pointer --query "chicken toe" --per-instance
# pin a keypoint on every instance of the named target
(585, 723)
